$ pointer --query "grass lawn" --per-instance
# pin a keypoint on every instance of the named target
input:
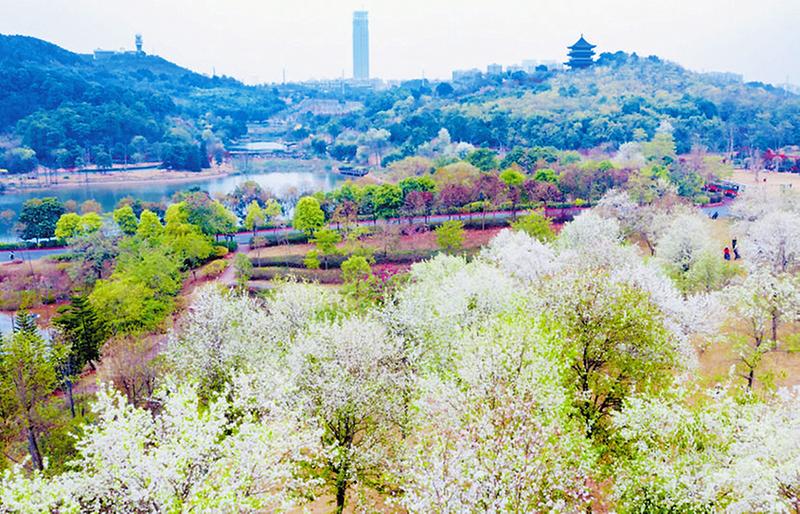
(771, 182)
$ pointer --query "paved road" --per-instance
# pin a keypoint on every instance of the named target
(32, 254)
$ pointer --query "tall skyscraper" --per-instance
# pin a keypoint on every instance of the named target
(360, 45)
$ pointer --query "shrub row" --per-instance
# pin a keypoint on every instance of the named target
(329, 276)
(335, 261)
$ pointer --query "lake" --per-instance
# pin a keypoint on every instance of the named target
(277, 175)
(7, 325)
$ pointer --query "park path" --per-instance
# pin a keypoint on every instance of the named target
(243, 238)
(228, 277)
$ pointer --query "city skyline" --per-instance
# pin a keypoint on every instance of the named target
(256, 41)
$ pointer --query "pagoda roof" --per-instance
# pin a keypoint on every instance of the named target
(581, 44)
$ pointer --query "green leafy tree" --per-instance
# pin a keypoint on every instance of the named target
(126, 220)
(357, 277)
(68, 226)
(244, 270)
(513, 180)
(311, 259)
(326, 240)
(255, 217)
(536, 225)
(388, 199)
(546, 175)
(210, 216)
(72, 225)
(27, 379)
(20, 160)
(91, 222)
(272, 209)
(150, 227)
(614, 342)
(38, 218)
(308, 216)
(450, 236)
(483, 159)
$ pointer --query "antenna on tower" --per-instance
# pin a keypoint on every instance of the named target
(284, 75)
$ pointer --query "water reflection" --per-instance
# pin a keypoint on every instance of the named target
(279, 176)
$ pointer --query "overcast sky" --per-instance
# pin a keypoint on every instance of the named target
(254, 40)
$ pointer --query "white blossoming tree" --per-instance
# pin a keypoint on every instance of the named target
(494, 434)
(717, 455)
(349, 376)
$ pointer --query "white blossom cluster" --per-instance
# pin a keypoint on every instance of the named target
(725, 456)
(452, 396)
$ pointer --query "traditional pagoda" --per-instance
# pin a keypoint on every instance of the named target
(581, 54)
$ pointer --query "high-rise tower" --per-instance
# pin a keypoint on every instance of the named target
(360, 45)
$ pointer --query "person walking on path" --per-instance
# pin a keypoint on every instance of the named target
(726, 253)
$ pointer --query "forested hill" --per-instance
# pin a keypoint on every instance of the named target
(65, 110)
(70, 108)
(622, 98)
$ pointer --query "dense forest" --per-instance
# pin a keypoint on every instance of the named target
(63, 109)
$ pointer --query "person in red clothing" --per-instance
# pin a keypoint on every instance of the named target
(727, 253)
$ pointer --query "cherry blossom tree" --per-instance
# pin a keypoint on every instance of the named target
(186, 458)
(759, 302)
(348, 377)
(717, 455)
(493, 435)
(773, 241)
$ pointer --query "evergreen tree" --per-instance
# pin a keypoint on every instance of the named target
(82, 334)
(85, 331)
(25, 322)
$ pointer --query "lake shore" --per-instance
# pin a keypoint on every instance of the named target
(66, 180)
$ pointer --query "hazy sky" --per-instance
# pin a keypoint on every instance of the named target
(255, 40)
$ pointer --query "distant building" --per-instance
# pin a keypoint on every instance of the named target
(581, 54)
(466, 75)
(139, 44)
(529, 65)
(100, 54)
(494, 69)
(514, 68)
(360, 45)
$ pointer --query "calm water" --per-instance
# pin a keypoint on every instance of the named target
(7, 325)
(278, 176)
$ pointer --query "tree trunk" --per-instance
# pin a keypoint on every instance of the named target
(775, 328)
(751, 378)
(33, 448)
(70, 397)
(341, 490)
